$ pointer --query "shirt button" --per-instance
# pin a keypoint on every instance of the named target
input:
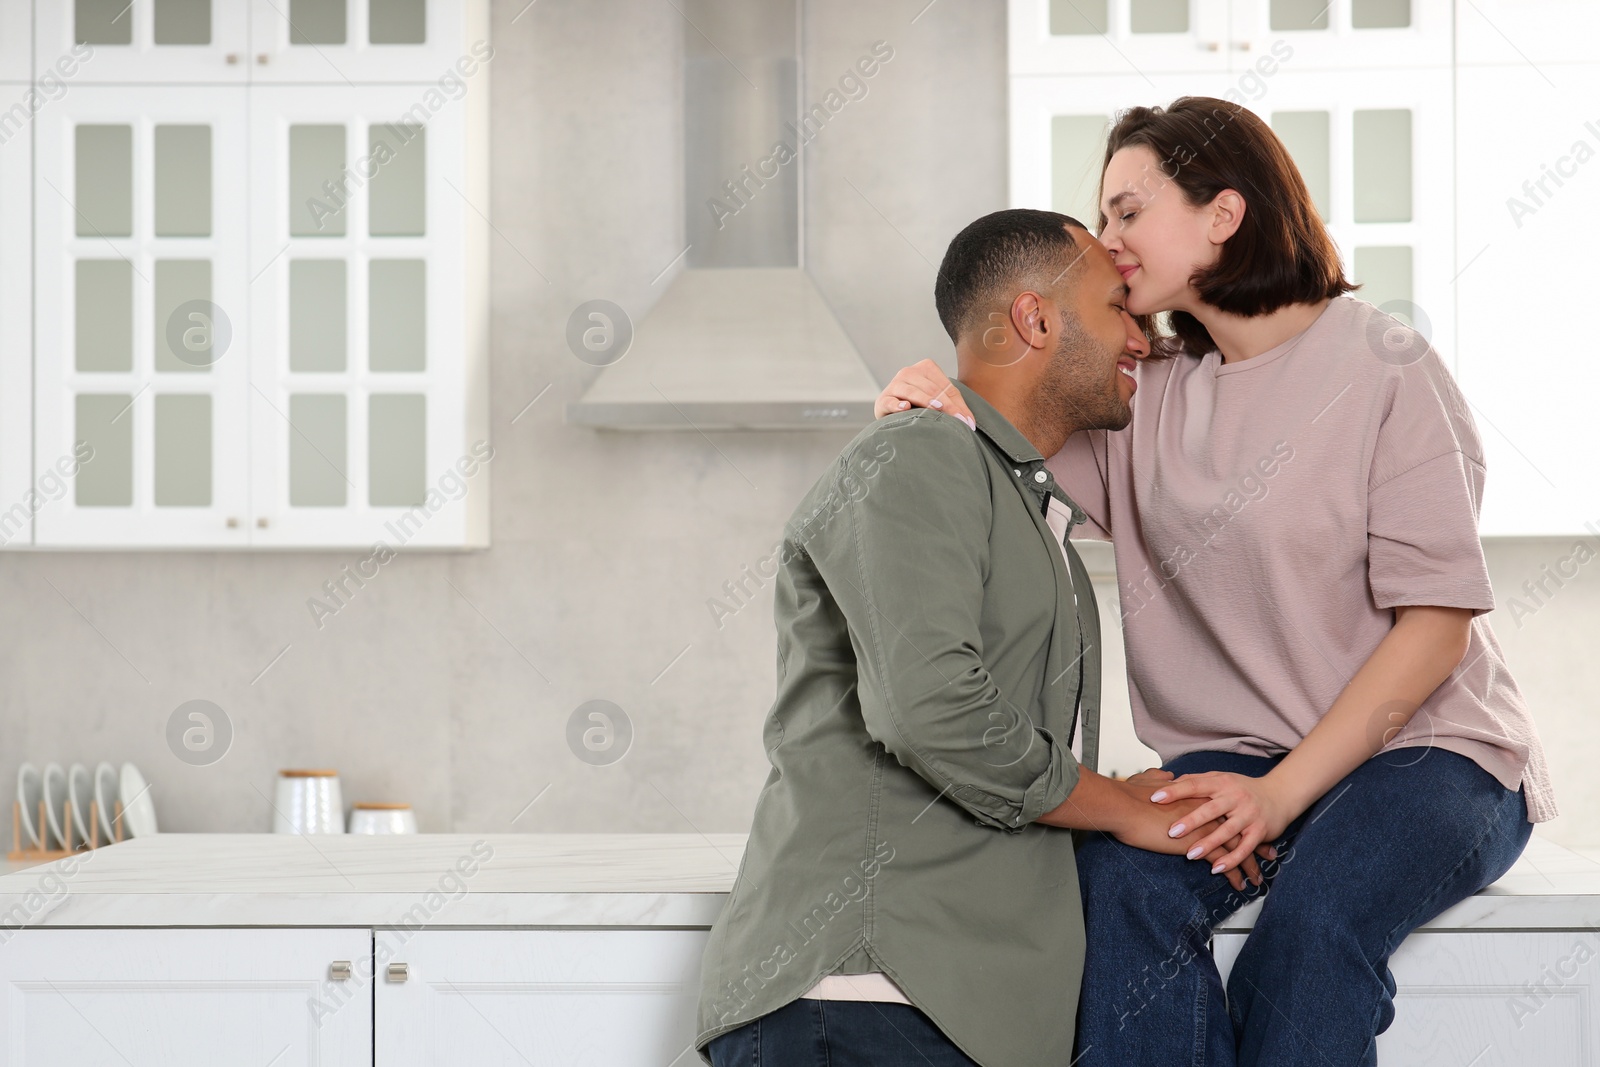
(1040, 476)
(1017, 473)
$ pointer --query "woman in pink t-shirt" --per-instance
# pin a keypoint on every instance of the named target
(1293, 508)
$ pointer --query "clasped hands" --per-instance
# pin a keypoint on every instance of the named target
(1218, 817)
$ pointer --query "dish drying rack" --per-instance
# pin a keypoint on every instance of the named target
(39, 853)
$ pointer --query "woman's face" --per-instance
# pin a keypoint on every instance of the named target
(1156, 240)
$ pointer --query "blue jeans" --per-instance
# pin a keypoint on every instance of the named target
(838, 1033)
(1400, 839)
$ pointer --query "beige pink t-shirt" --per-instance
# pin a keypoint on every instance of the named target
(1267, 515)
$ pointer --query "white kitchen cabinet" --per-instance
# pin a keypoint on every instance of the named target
(1485, 999)
(1059, 126)
(578, 998)
(1376, 153)
(184, 998)
(263, 41)
(142, 291)
(1150, 37)
(1456, 184)
(360, 310)
(354, 41)
(1526, 225)
(154, 42)
(1052, 37)
(1344, 35)
(262, 309)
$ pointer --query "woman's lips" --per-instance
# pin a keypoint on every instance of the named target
(1126, 269)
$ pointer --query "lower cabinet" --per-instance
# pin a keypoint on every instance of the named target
(1489, 999)
(573, 998)
(181, 998)
(348, 997)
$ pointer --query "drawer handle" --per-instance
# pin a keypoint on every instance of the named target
(339, 970)
(398, 972)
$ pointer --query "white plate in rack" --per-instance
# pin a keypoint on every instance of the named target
(138, 810)
(30, 788)
(105, 796)
(55, 798)
(80, 786)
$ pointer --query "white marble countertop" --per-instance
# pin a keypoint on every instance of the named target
(539, 880)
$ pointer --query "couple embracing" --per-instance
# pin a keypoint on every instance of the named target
(933, 876)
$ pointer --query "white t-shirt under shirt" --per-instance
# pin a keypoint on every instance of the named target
(1269, 514)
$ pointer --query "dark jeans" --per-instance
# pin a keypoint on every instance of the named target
(1400, 839)
(838, 1033)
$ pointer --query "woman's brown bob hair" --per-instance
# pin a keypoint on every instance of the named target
(1281, 253)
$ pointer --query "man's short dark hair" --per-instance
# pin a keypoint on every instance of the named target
(998, 256)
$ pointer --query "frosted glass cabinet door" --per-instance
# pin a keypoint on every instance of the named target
(1118, 37)
(578, 998)
(1343, 34)
(359, 317)
(1058, 128)
(1375, 152)
(345, 41)
(152, 41)
(141, 293)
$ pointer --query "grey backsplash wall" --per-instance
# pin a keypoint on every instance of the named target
(448, 680)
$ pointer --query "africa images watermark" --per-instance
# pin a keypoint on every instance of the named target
(450, 887)
(738, 993)
(405, 129)
(50, 487)
(852, 86)
(850, 483)
(451, 486)
(51, 87)
(1249, 487)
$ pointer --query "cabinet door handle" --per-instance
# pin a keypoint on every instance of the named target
(263, 522)
(233, 521)
(262, 59)
(339, 970)
(1243, 46)
(233, 57)
(399, 972)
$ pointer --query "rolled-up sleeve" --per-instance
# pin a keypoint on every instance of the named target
(905, 559)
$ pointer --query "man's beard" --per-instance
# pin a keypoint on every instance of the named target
(1076, 390)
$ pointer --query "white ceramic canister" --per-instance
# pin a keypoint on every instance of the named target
(308, 802)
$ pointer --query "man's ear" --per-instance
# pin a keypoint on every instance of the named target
(1028, 318)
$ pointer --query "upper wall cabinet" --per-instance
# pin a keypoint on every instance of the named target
(272, 41)
(345, 41)
(1150, 37)
(1519, 33)
(162, 41)
(260, 310)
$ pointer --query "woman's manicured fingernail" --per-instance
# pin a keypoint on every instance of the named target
(936, 403)
(971, 424)
(905, 403)
(1194, 853)
(1159, 795)
(1176, 831)
(1218, 868)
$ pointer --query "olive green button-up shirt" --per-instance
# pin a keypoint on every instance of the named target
(935, 641)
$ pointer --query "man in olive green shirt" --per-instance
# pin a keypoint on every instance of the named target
(933, 651)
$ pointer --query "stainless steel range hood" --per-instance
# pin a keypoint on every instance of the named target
(742, 338)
